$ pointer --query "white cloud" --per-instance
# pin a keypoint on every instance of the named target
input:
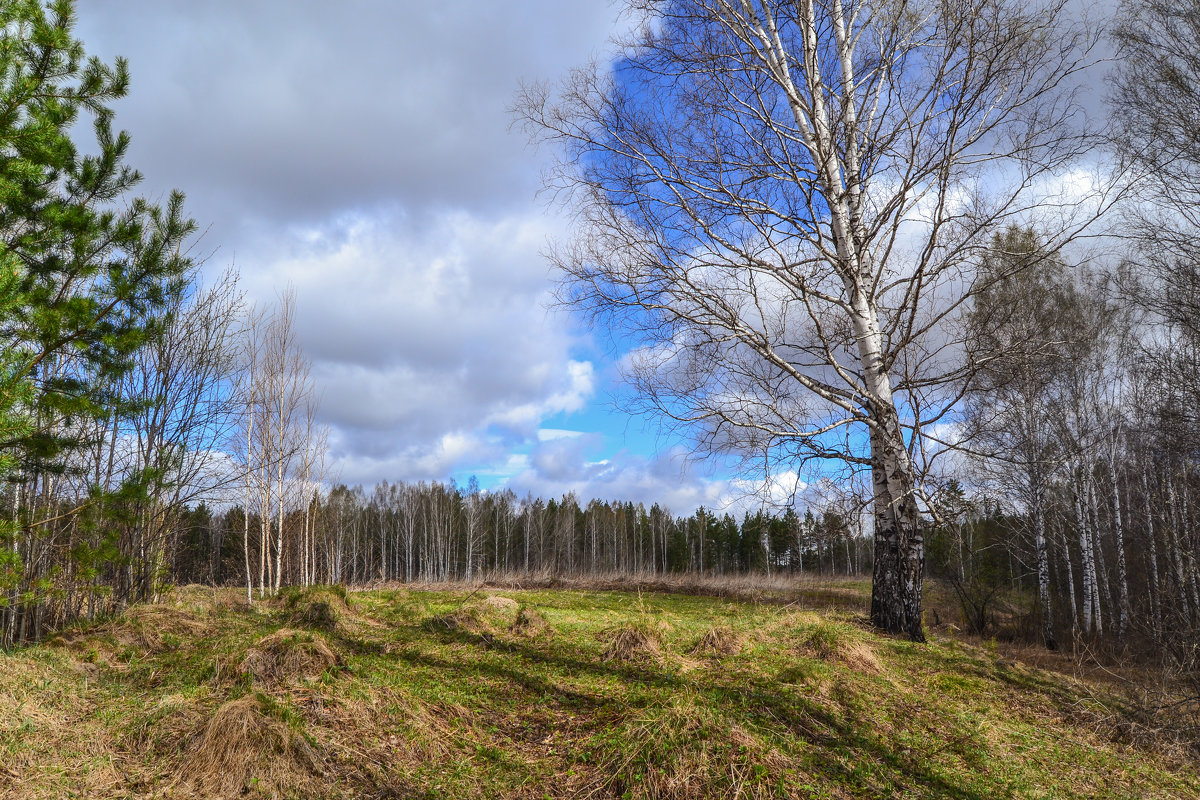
(430, 337)
(550, 434)
(561, 464)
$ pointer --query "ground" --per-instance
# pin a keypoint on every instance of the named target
(551, 693)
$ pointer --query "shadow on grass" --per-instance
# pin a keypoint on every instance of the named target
(840, 742)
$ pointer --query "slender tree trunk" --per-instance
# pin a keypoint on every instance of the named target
(1153, 586)
(1043, 563)
(1087, 562)
(1122, 578)
(1103, 596)
(1176, 554)
(1185, 513)
(279, 482)
(1066, 548)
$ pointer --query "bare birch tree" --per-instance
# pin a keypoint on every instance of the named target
(782, 201)
(282, 441)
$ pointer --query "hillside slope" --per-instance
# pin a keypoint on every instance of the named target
(552, 693)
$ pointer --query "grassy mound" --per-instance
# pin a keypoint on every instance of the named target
(635, 642)
(833, 644)
(320, 607)
(530, 623)
(500, 605)
(137, 632)
(288, 655)
(244, 750)
(719, 641)
(487, 617)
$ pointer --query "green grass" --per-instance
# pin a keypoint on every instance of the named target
(433, 696)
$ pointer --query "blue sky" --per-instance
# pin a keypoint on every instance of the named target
(363, 154)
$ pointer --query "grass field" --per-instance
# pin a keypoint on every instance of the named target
(550, 693)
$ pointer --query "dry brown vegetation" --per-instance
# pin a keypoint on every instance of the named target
(488, 616)
(530, 623)
(634, 642)
(146, 629)
(719, 641)
(288, 655)
(244, 748)
(812, 590)
(320, 607)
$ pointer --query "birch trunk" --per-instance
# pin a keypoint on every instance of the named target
(1043, 566)
(1153, 586)
(1185, 513)
(1103, 595)
(1087, 562)
(1176, 554)
(899, 544)
(1119, 532)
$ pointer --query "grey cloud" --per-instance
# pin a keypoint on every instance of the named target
(565, 459)
(285, 110)
(413, 338)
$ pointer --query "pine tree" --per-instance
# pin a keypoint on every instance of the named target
(85, 269)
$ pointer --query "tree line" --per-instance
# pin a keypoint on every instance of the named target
(437, 532)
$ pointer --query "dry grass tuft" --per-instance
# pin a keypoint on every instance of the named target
(488, 617)
(828, 643)
(320, 607)
(244, 751)
(501, 604)
(633, 643)
(200, 599)
(288, 655)
(685, 751)
(466, 620)
(530, 623)
(719, 641)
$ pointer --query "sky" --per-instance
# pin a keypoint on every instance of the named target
(363, 153)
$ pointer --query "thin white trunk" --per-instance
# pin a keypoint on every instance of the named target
(1087, 562)
(1122, 578)
(1176, 554)
(1103, 596)
(1043, 563)
(1152, 588)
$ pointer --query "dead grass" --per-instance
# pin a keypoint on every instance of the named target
(467, 620)
(146, 629)
(815, 591)
(719, 641)
(530, 623)
(689, 765)
(501, 604)
(320, 607)
(488, 617)
(827, 643)
(199, 599)
(51, 742)
(420, 710)
(287, 656)
(245, 751)
(633, 643)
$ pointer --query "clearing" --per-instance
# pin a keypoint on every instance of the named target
(550, 693)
